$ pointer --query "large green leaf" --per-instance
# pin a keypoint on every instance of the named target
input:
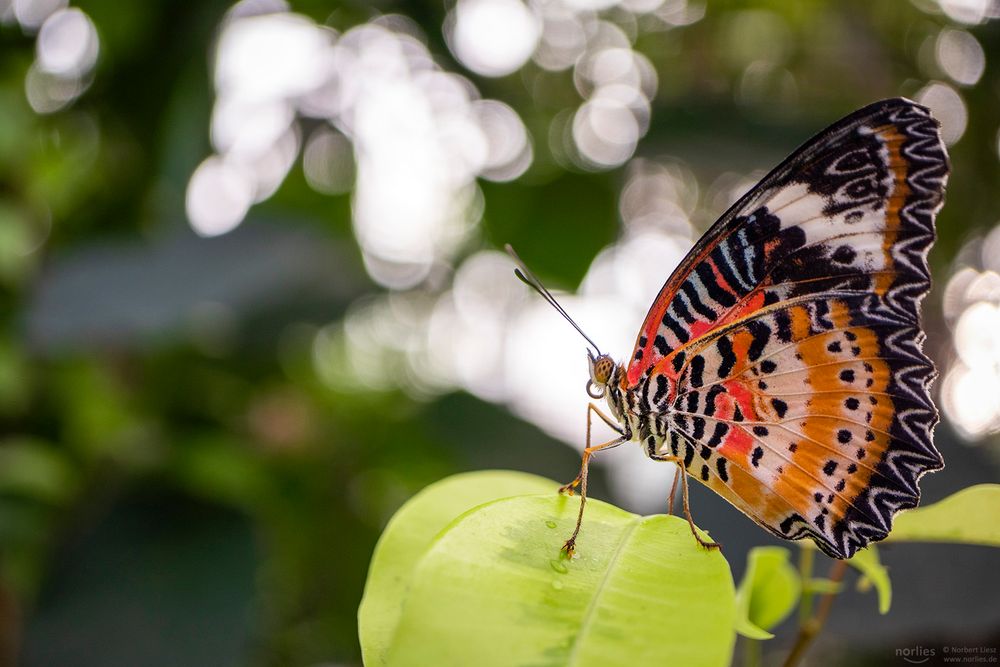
(495, 589)
(409, 534)
(971, 516)
(768, 592)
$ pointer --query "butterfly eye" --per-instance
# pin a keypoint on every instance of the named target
(603, 368)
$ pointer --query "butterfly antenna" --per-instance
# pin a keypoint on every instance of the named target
(525, 275)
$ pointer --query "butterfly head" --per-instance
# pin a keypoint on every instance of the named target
(601, 369)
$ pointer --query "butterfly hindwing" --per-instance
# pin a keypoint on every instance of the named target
(790, 335)
(814, 427)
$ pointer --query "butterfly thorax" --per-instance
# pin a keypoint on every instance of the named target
(641, 420)
(615, 396)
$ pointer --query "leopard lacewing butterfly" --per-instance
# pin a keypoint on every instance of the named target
(781, 364)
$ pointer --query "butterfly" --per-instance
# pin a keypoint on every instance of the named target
(781, 364)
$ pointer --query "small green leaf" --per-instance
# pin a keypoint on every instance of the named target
(408, 536)
(768, 592)
(867, 562)
(971, 516)
(746, 628)
(823, 586)
(494, 589)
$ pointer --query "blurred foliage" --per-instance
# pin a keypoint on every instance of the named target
(769, 589)
(971, 516)
(233, 417)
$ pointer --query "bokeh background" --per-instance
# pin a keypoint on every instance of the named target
(251, 297)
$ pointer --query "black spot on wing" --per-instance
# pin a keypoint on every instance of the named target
(687, 287)
(721, 428)
(660, 343)
(725, 347)
(786, 525)
(821, 313)
(761, 334)
(697, 371)
(682, 311)
(662, 387)
(723, 297)
(784, 321)
(679, 330)
(721, 465)
(678, 361)
(692, 401)
(728, 271)
(710, 397)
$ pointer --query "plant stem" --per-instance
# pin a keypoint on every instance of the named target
(811, 628)
(752, 650)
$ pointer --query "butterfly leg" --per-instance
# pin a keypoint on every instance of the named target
(685, 504)
(591, 408)
(570, 544)
(673, 493)
(687, 510)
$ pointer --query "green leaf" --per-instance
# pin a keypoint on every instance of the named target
(768, 592)
(494, 589)
(867, 562)
(971, 516)
(410, 533)
(746, 628)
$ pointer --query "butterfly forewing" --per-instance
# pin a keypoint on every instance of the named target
(790, 335)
